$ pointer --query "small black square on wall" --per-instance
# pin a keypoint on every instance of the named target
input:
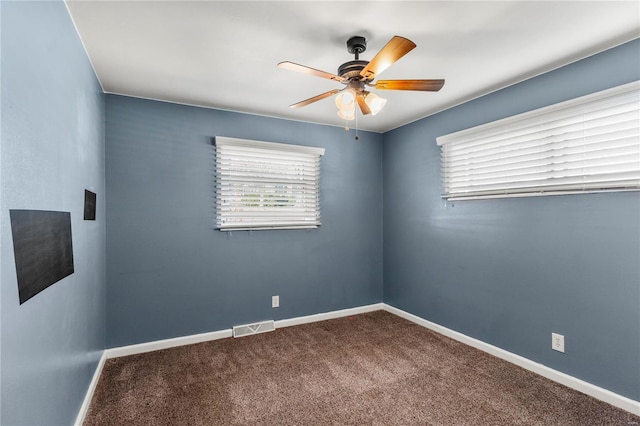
(89, 205)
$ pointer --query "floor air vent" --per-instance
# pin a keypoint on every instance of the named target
(258, 327)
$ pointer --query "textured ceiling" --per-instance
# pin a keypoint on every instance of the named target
(223, 54)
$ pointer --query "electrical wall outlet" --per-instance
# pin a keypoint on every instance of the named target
(557, 342)
(275, 301)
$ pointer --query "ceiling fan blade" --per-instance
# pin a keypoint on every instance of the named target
(363, 106)
(314, 99)
(422, 85)
(395, 49)
(307, 70)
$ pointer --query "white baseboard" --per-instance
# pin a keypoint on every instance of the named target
(84, 408)
(597, 392)
(156, 345)
(222, 334)
(329, 315)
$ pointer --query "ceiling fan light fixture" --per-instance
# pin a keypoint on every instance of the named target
(374, 102)
(347, 114)
(345, 100)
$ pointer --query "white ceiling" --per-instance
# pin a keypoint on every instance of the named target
(223, 54)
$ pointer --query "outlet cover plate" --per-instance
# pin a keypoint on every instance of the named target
(557, 342)
(275, 301)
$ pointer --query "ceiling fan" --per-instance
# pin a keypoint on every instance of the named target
(359, 75)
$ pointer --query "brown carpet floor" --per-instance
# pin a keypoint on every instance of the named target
(373, 369)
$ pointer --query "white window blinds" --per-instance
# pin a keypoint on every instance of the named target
(265, 185)
(587, 144)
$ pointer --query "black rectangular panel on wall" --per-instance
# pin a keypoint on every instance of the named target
(42, 248)
(89, 205)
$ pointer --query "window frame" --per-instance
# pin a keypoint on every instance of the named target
(466, 152)
(266, 185)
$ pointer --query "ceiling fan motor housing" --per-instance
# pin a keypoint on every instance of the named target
(351, 70)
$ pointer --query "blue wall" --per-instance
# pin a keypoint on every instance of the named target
(512, 271)
(52, 149)
(171, 274)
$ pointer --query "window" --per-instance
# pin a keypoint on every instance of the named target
(587, 144)
(264, 185)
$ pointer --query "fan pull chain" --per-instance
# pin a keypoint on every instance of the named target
(356, 116)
